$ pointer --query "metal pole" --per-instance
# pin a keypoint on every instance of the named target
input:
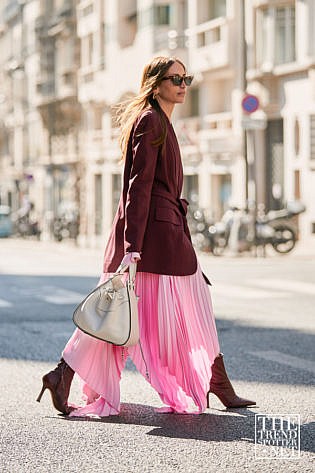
(248, 140)
(244, 86)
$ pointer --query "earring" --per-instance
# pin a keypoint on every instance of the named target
(155, 94)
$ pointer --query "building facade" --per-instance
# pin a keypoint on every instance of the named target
(117, 39)
(41, 115)
(22, 138)
(67, 63)
(281, 72)
(57, 102)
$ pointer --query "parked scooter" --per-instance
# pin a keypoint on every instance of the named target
(241, 230)
(25, 222)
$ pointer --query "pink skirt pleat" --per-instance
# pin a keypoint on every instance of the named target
(178, 344)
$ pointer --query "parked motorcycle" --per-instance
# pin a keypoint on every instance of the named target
(199, 226)
(25, 222)
(242, 230)
(66, 226)
(24, 227)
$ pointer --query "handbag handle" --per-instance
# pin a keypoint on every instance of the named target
(132, 271)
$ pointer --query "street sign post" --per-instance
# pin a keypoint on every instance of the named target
(249, 123)
(250, 103)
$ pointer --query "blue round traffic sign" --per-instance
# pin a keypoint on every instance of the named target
(250, 103)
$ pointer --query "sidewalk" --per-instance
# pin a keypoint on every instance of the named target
(28, 256)
(304, 248)
(88, 261)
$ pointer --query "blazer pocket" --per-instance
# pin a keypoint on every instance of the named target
(165, 214)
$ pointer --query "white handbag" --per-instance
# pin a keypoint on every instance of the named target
(110, 311)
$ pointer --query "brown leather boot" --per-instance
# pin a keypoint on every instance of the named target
(221, 386)
(58, 382)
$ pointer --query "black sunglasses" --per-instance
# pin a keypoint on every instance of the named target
(178, 80)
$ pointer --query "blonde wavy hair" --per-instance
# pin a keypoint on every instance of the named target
(128, 111)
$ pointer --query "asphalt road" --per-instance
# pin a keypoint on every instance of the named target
(265, 319)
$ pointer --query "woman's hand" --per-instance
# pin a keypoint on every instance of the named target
(131, 257)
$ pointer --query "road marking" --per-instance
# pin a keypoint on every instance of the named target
(284, 284)
(62, 334)
(282, 358)
(4, 303)
(55, 295)
(245, 292)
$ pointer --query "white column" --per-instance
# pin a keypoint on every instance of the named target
(107, 202)
(302, 33)
(204, 180)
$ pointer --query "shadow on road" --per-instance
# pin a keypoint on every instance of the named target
(207, 427)
(37, 322)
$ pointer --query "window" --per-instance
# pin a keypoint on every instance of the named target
(217, 8)
(87, 50)
(284, 35)
(210, 9)
(127, 22)
(191, 188)
(311, 31)
(297, 137)
(116, 190)
(98, 117)
(90, 48)
(263, 45)
(66, 52)
(158, 15)
(102, 39)
(275, 35)
(297, 185)
(194, 102)
(312, 137)
(98, 204)
(162, 15)
(274, 164)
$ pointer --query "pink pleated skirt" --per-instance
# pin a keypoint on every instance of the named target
(178, 344)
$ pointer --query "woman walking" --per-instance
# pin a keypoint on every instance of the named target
(178, 352)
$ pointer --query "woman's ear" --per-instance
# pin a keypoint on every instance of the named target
(155, 93)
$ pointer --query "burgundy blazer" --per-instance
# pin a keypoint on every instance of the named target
(151, 217)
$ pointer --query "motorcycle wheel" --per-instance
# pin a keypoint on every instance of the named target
(218, 249)
(198, 241)
(284, 239)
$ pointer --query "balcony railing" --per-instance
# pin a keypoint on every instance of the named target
(101, 144)
(213, 133)
(210, 32)
(213, 125)
(170, 40)
(218, 123)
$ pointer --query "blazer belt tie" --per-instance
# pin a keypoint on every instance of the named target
(181, 204)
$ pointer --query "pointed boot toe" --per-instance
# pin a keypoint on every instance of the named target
(221, 386)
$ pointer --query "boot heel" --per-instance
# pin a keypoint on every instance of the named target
(208, 402)
(58, 383)
(41, 393)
